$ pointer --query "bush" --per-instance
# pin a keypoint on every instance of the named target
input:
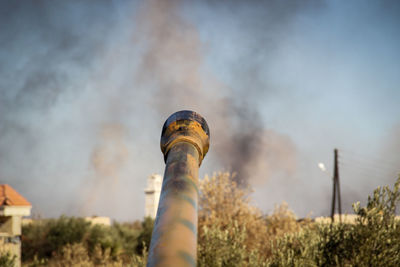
(7, 259)
(103, 238)
(374, 240)
(128, 235)
(223, 204)
(45, 240)
(144, 238)
(46, 237)
(283, 221)
(65, 231)
(71, 255)
(232, 232)
(226, 247)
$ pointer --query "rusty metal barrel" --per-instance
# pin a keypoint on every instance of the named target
(184, 143)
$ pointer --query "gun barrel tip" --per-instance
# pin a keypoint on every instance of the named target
(185, 125)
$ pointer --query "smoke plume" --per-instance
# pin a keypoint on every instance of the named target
(85, 88)
(173, 63)
(108, 160)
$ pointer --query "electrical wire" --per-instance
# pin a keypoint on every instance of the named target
(370, 159)
(368, 168)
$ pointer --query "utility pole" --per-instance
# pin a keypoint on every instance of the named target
(336, 188)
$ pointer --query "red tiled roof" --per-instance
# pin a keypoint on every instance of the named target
(10, 197)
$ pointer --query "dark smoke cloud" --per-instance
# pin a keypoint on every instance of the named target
(85, 88)
(173, 62)
(108, 160)
(54, 99)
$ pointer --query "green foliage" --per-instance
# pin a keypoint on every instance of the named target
(374, 240)
(77, 255)
(46, 241)
(72, 255)
(144, 237)
(225, 247)
(140, 260)
(7, 259)
(223, 203)
(65, 231)
(49, 236)
(283, 221)
(104, 238)
(128, 236)
(33, 240)
(231, 232)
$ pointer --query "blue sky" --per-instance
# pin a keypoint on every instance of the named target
(85, 88)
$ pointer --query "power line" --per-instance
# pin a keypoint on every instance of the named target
(362, 161)
(370, 158)
(367, 174)
(374, 163)
(369, 168)
(369, 165)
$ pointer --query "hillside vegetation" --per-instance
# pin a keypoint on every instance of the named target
(231, 232)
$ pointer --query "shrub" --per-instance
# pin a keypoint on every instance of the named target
(226, 247)
(144, 238)
(65, 231)
(283, 221)
(374, 240)
(103, 238)
(45, 237)
(231, 232)
(34, 241)
(71, 255)
(77, 255)
(7, 259)
(128, 235)
(223, 204)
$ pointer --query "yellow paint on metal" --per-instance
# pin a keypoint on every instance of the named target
(193, 133)
(184, 143)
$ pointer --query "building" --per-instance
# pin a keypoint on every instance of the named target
(346, 218)
(97, 220)
(12, 207)
(152, 194)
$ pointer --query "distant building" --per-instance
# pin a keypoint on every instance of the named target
(12, 207)
(152, 192)
(96, 220)
(346, 218)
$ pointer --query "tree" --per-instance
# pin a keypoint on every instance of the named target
(7, 259)
(229, 225)
(374, 239)
(144, 238)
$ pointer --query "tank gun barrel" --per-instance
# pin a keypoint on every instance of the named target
(184, 143)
